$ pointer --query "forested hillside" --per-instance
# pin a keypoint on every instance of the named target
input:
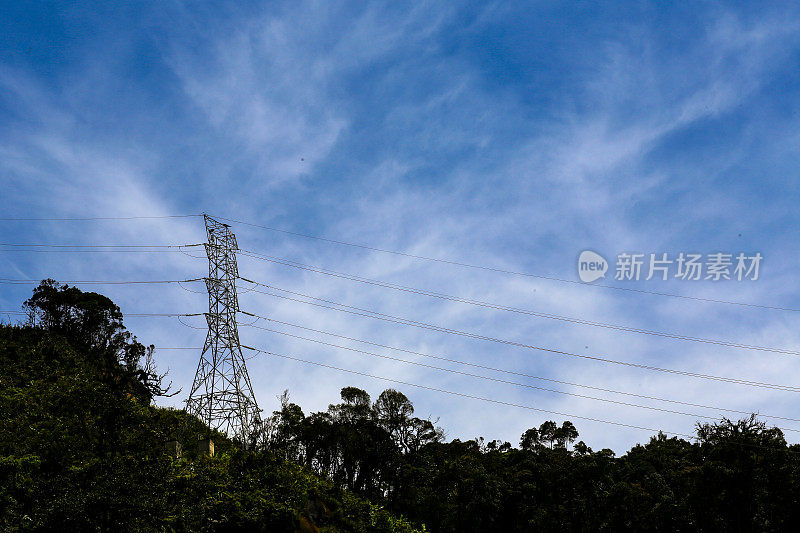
(82, 448)
(737, 476)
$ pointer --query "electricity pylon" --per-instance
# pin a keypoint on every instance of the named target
(222, 395)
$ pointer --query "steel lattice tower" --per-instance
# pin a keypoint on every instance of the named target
(222, 395)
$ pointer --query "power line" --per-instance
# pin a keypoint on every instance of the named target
(373, 314)
(162, 314)
(479, 303)
(204, 328)
(95, 248)
(493, 369)
(421, 257)
(500, 402)
(98, 251)
(95, 218)
(463, 395)
(178, 315)
(124, 314)
(190, 290)
(178, 348)
(506, 382)
(28, 245)
(506, 271)
(399, 320)
(8, 281)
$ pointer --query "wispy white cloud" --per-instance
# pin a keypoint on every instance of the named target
(366, 127)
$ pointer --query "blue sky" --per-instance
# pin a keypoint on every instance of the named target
(507, 135)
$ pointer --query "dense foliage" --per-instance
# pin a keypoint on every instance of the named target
(737, 476)
(82, 448)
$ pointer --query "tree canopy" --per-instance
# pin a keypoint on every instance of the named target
(82, 448)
